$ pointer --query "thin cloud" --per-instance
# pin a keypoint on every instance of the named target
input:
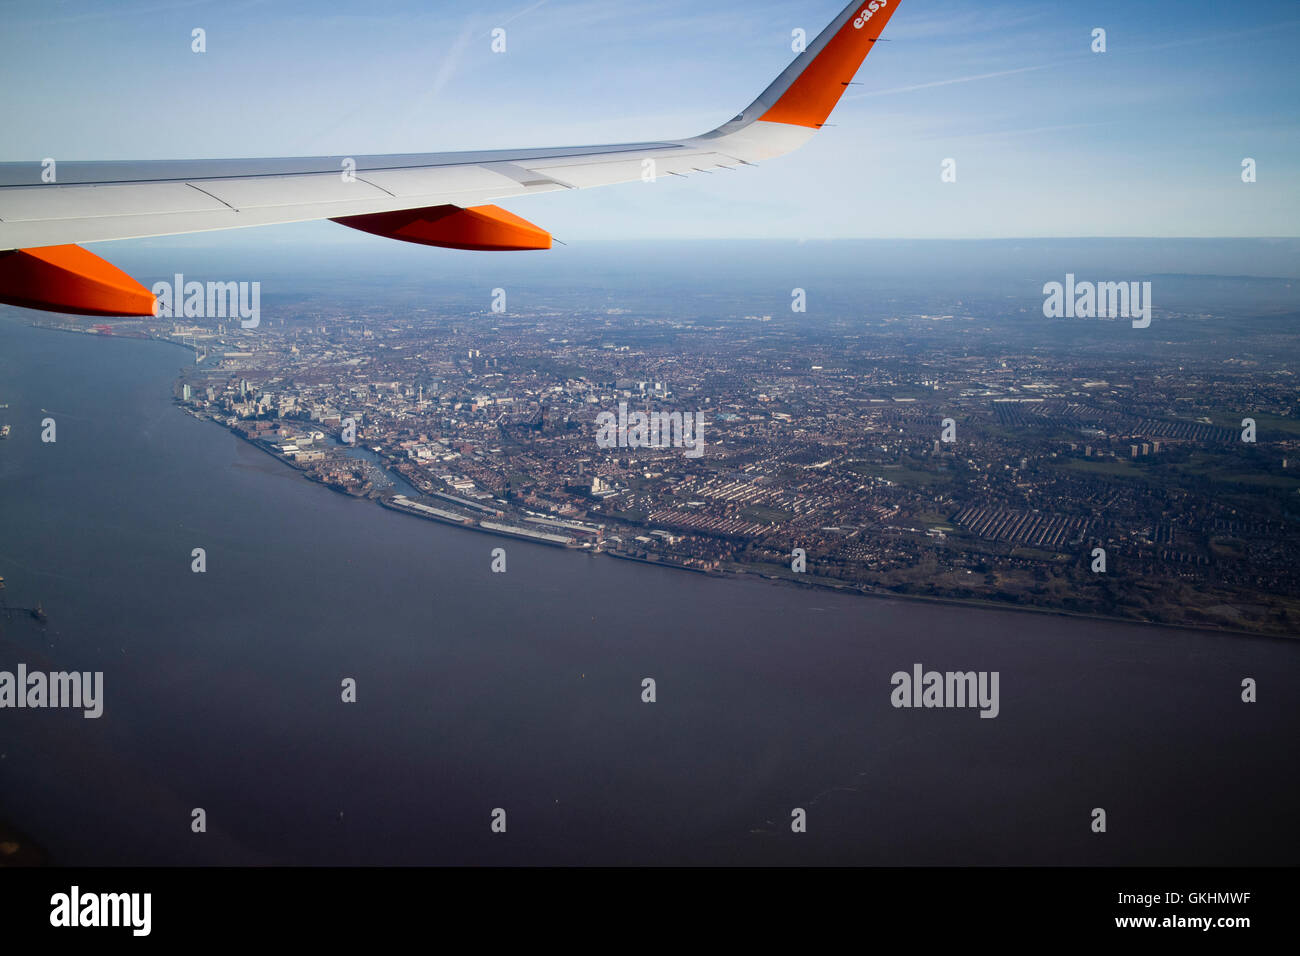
(512, 19)
(1020, 131)
(449, 63)
(958, 79)
(1267, 28)
(1043, 66)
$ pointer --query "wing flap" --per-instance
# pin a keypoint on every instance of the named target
(38, 203)
(585, 172)
(439, 180)
(263, 191)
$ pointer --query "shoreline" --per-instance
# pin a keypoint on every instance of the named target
(866, 591)
(114, 335)
(854, 622)
(736, 573)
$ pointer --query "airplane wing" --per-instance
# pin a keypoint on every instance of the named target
(438, 199)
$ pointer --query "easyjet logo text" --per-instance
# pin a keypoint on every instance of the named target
(867, 13)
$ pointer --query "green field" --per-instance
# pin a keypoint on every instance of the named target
(764, 514)
(902, 474)
(1226, 468)
(1118, 468)
(1266, 426)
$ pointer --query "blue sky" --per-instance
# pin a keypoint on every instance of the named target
(1049, 138)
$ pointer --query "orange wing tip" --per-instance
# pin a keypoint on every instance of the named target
(814, 93)
(70, 279)
(483, 228)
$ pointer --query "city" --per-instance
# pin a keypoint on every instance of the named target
(945, 455)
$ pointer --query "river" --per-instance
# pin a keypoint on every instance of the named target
(523, 690)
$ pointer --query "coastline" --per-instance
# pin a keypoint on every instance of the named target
(115, 335)
(737, 573)
(757, 572)
(805, 635)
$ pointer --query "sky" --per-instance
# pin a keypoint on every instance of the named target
(1048, 137)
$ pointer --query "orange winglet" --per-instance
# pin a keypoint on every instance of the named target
(70, 279)
(814, 93)
(485, 228)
